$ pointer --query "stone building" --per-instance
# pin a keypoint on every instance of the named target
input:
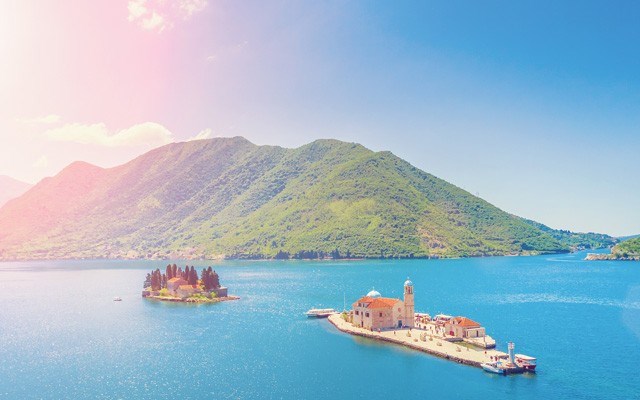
(463, 327)
(376, 312)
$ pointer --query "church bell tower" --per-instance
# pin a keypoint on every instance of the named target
(409, 309)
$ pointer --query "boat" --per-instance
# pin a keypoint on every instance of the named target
(320, 312)
(494, 367)
(117, 298)
(527, 363)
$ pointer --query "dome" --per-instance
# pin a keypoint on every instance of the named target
(374, 293)
(408, 282)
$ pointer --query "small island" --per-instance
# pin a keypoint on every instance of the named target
(459, 339)
(176, 284)
(629, 250)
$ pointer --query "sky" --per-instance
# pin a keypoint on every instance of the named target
(532, 105)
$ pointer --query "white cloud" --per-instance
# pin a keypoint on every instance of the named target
(136, 9)
(158, 15)
(155, 21)
(190, 7)
(144, 134)
(47, 119)
(41, 162)
(203, 134)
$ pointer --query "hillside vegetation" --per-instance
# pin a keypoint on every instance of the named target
(628, 248)
(227, 197)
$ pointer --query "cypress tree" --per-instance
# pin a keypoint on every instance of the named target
(174, 270)
(155, 280)
(215, 280)
(168, 272)
(193, 276)
(147, 281)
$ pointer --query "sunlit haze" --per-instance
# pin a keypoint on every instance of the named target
(533, 106)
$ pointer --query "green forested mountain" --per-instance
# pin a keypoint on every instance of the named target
(227, 197)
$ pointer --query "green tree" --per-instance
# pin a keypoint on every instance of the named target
(147, 281)
(193, 276)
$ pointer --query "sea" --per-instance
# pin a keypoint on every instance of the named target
(63, 337)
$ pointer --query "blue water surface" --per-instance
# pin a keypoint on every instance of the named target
(63, 337)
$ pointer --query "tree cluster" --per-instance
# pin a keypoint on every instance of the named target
(312, 255)
(210, 279)
(157, 280)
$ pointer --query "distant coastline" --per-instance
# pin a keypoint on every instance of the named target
(258, 257)
(610, 257)
(628, 250)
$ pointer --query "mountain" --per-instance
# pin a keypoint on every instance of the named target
(623, 238)
(11, 188)
(227, 197)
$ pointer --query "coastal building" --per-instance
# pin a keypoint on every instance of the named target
(174, 284)
(375, 312)
(222, 291)
(462, 327)
(185, 291)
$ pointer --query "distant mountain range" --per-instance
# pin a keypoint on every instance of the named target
(227, 197)
(11, 188)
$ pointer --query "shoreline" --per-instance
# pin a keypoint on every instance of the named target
(192, 300)
(609, 257)
(432, 345)
(236, 259)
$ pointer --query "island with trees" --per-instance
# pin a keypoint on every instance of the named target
(629, 250)
(176, 284)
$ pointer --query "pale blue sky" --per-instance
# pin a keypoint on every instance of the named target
(533, 105)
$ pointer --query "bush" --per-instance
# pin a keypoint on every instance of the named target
(164, 292)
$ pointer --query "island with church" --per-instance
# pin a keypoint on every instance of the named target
(176, 284)
(455, 338)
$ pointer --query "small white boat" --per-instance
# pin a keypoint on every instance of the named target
(493, 367)
(117, 298)
(528, 363)
(320, 312)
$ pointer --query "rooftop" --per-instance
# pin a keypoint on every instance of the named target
(466, 322)
(377, 302)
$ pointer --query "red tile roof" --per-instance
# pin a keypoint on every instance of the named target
(176, 279)
(465, 322)
(383, 302)
(378, 302)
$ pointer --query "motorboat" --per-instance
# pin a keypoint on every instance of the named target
(494, 367)
(117, 298)
(320, 312)
(528, 363)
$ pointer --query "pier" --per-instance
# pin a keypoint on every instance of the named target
(411, 338)
(421, 340)
(459, 339)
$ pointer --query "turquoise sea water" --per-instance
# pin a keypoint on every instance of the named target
(62, 336)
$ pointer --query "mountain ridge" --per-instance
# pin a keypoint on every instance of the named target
(10, 188)
(227, 197)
